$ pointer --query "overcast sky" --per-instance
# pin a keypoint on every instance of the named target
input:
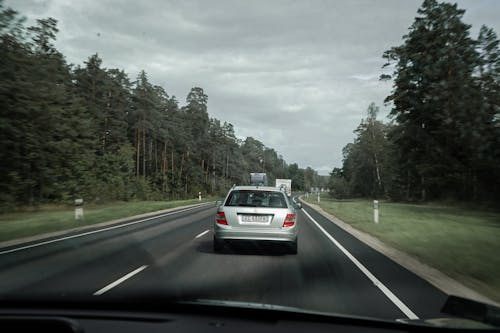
(297, 75)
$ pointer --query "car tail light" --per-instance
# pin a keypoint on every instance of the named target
(289, 220)
(221, 218)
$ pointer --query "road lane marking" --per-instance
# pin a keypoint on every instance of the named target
(120, 280)
(203, 233)
(393, 298)
(97, 231)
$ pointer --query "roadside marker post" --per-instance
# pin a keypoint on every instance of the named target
(199, 196)
(375, 211)
(78, 209)
(319, 200)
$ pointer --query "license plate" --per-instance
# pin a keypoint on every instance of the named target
(254, 218)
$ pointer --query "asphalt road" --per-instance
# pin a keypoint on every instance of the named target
(172, 255)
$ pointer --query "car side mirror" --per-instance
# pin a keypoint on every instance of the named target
(298, 205)
(218, 203)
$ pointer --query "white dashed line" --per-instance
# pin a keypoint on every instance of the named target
(203, 233)
(120, 280)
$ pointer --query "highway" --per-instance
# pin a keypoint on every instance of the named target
(172, 255)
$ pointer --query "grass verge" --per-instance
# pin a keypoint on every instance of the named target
(51, 218)
(461, 242)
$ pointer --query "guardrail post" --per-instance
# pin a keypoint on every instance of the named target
(375, 211)
(78, 209)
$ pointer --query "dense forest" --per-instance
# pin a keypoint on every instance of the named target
(443, 140)
(70, 131)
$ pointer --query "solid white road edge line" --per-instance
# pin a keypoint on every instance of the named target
(203, 233)
(393, 298)
(120, 280)
(97, 231)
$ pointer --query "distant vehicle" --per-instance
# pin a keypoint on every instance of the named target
(258, 179)
(258, 214)
(285, 184)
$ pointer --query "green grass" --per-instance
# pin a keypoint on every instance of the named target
(464, 243)
(50, 218)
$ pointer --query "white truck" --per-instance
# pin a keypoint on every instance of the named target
(285, 185)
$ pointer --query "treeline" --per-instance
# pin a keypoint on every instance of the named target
(88, 131)
(444, 138)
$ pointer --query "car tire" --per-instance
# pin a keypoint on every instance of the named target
(294, 247)
(218, 245)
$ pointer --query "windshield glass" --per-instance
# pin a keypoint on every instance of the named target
(335, 156)
(256, 198)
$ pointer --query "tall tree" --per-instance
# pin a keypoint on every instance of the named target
(88, 131)
(143, 115)
(434, 96)
(366, 162)
(486, 123)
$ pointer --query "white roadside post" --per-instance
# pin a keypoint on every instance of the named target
(375, 211)
(78, 209)
(318, 197)
(199, 196)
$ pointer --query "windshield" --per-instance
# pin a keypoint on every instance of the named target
(256, 198)
(333, 156)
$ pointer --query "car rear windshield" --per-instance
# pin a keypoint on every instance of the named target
(256, 198)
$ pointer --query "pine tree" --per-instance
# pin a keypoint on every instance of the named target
(434, 97)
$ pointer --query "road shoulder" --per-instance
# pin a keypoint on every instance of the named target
(435, 277)
(56, 234)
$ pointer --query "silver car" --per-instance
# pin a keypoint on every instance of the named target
(256, 213)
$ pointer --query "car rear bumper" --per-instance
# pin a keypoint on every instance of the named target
(284, 235)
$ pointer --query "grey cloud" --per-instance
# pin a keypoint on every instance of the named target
(297, 75)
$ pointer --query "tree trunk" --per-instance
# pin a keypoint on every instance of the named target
(138, 151)
(155, 144)
(164, 166)
(377, 169)
(474, 185)
(422, 183)
(172, 160)
(164, 159)
(182, 164)
(408, 182)
(377, 166)
(104, 135)
(144, 152)
(108, 104)
(213, 172)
